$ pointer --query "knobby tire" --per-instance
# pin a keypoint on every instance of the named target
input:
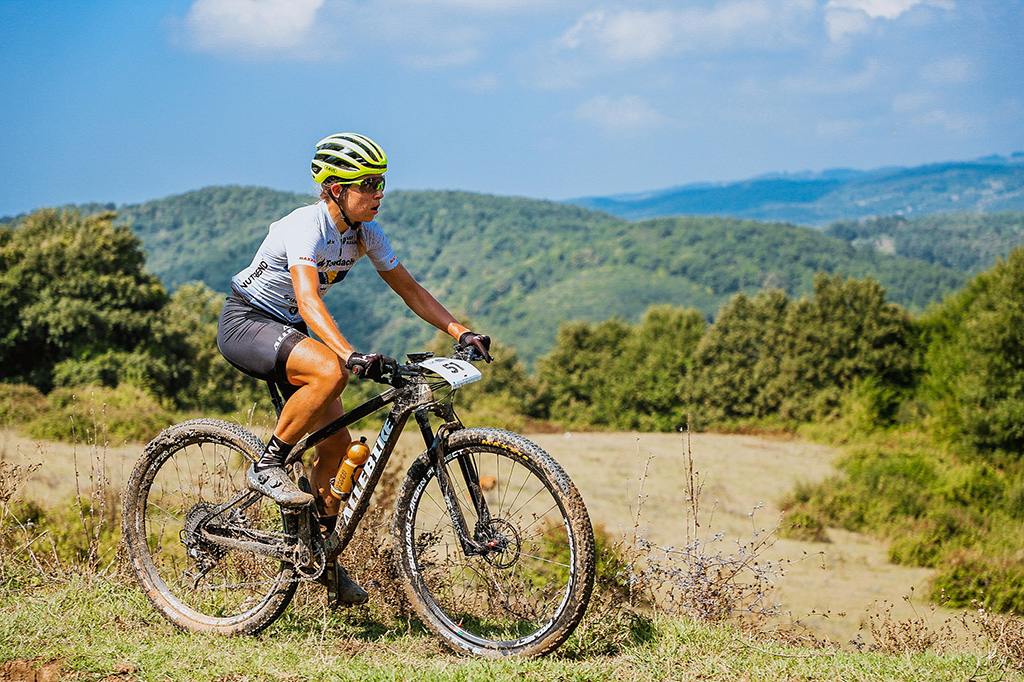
(199, 586)
(523, 600)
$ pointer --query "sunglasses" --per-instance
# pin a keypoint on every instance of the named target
(369, 185)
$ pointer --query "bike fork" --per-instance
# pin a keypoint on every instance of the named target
(437, 449)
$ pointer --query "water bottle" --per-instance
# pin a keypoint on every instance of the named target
(350, 469)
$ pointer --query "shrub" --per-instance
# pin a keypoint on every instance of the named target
(968, 575)
(100, 415)
(801, 524)
(20, 403)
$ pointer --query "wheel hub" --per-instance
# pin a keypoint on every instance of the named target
(502, 542)
(200, 550)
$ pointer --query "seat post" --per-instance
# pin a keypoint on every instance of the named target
(275, 397)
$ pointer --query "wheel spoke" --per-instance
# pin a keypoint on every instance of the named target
(198, 583)
(530, 584)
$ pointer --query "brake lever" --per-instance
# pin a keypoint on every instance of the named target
(467, 353)
(391, 374)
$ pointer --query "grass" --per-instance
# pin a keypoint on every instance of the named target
(93, 626)
(80, 616)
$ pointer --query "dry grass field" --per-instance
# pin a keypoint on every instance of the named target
(846, 577)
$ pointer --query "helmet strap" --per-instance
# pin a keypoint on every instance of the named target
(337, 202)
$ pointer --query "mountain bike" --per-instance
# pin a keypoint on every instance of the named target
(492, 541)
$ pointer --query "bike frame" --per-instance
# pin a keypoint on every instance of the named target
(409, 396)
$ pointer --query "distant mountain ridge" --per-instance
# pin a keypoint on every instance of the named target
(988, 185)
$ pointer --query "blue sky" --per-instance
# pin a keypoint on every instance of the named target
(123, 102)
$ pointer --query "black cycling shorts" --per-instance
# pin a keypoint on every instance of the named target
(256, 342)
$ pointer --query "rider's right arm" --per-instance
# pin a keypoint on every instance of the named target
(306, 281)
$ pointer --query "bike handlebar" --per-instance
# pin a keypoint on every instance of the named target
(393, 372)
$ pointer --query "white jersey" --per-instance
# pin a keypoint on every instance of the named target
(306, 236)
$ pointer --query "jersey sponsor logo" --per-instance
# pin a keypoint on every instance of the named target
(328, 263)
(288, 331)
(255, 274)
(307, 259)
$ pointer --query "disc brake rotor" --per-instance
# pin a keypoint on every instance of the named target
(503, 542)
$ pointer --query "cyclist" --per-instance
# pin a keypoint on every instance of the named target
(276, 301)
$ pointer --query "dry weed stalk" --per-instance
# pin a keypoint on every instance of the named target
(913, 635)
(12, 477)
(700, 578)
(92, 507)
(1001, 633)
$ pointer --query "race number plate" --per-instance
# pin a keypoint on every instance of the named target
(455, 372)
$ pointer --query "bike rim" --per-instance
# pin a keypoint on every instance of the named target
(510, 598)
(198, 579)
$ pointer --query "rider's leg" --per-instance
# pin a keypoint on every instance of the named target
(320, 378)
(341, 589)
(329, 454)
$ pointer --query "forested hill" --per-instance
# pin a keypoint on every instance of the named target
(989, 185)
(519, 267)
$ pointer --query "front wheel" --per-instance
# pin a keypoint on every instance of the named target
(528, 592)
(184, 475)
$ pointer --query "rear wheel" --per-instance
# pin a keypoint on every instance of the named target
(528, 591)
(184, 474)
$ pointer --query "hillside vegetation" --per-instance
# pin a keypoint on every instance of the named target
(961, 241)
(518, 268)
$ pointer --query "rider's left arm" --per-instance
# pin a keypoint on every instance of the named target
(421, 301)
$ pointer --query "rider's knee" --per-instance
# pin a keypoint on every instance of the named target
(333, 378)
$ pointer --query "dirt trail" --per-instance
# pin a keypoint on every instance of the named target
(738, 474)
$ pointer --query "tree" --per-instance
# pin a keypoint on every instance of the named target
(738, 357)
(975, 360)
(648, 385)
(769, 356)
(846, 334)
(75, 300)
(620, 375)
(574, 376)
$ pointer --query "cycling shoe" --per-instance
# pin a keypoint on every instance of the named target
(275, 484)
(341, 589)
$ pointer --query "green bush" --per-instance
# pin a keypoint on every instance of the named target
(969, 575)
(801, 524)
(100, 415)
(20, 403)
(974, 381)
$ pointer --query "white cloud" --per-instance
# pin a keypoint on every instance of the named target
(625, 35)
(886, 9)
(848, 17)
(833, 85)
(250, 25)
(909, 102)
(950, 123)
(444, 59)
(642, 35)
(622, 114)
(839, 128)
(485, 5)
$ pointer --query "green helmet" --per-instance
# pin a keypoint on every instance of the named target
(348, 156)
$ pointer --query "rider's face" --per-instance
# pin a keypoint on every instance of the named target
(360, 205)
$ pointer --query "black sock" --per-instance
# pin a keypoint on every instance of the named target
(276, 453)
